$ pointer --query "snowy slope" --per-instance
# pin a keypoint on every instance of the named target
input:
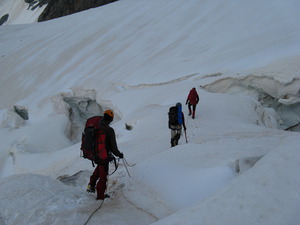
(139, 58)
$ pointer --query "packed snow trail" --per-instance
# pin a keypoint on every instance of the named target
(193, 126)
(119, 210)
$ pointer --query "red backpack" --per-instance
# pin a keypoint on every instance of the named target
(93, 141)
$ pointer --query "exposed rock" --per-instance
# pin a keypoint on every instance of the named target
(21, 111)
(15, 117)
(4, 19)
(59, 8)
(128, 127)
(33, 4)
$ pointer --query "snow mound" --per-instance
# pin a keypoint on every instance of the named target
(265, 195)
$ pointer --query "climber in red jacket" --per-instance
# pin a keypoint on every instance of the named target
(192, 100)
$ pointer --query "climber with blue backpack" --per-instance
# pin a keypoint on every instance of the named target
(176, 122)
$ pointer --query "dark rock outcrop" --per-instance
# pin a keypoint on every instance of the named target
(21, 111)
(33, 4)
(59, 8)
(3, 19)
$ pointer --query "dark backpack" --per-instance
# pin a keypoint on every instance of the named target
(93, 143)
(173, 115)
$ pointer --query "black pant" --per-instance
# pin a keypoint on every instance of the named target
(190, 110)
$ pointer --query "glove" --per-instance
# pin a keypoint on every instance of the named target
(121, 156)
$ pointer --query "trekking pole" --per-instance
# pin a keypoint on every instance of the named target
(185, 136)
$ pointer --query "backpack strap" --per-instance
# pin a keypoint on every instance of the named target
(94, 146)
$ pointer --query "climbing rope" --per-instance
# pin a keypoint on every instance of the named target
(127, 164)
(93, 213)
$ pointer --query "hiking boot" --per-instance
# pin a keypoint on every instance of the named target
(173, 142)
(104, 197)
(90, 188)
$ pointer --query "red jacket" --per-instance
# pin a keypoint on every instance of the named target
(193, 97)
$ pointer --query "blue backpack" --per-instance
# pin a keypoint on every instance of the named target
(175, 115)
